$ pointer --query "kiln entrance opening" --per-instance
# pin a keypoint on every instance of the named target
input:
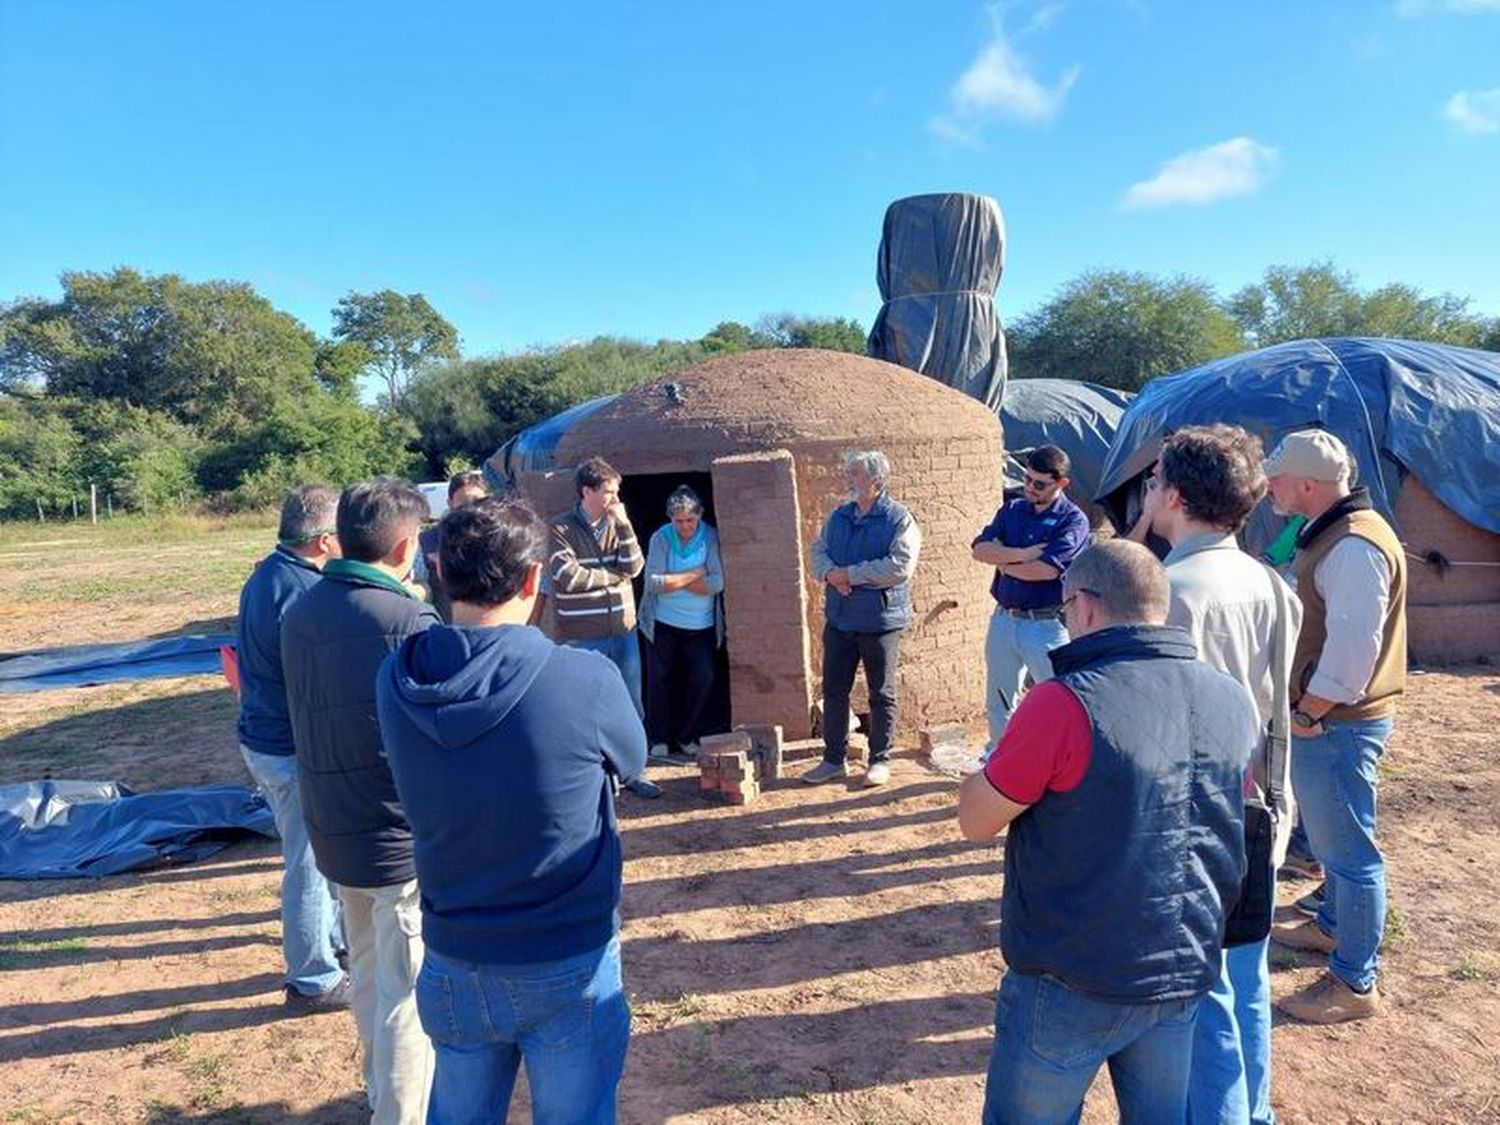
(645, 498)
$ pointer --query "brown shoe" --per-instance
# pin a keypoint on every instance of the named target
(1306, 935)
(1330, 1000)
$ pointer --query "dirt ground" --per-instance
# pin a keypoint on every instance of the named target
(825, 955)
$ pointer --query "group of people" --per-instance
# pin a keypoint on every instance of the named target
(1146, 780)
(443, 773)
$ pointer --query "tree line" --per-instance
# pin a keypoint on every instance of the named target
(162, 392)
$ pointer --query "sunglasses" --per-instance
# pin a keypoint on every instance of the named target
(1038, 484)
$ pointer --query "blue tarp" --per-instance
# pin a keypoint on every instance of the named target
(534, 449)
(82, 665)
(1079, 418)
(940, 262)
(1401, 407)
(76, 829)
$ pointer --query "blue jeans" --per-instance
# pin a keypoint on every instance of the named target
(310, 927)
(625, 651)
(1231, 1075)
(1012, 647)
(1051, 1040)
(567, 1020)
(1334, 777)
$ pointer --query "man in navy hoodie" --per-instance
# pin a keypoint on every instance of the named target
(505, 748)
(310, 932)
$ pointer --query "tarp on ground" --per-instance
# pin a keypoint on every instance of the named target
(1401, 407)
(84, 665)
(940, 262)
(77, 829)
(534, 449)
(1079, 418)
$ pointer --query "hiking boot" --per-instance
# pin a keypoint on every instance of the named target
(878, 774)
(1307, 935)
(1300, 867)
(1312, 902)
(1330, 1000)
(825, 771)
(643, 788)
(335, 999)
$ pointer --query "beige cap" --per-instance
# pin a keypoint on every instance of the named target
(1312, 455)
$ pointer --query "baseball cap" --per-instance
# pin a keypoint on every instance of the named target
(1311, 454)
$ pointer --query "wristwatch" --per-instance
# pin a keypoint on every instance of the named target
(1303, 719)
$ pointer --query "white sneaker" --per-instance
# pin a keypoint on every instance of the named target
(659, 752)
(878, 774)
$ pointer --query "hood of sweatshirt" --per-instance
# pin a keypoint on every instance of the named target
(456, 684)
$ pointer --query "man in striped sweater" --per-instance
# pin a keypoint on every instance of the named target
(594, 556)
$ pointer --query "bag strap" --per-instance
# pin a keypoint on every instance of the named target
(1278, 729)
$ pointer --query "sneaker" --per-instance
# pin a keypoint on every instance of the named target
(1307, 936)
(333, 1000)
(878, 774)
(1300, 867)
(1312, 902)
(660, 752)
(825, 771)
(643, 788)
(1330, 1000)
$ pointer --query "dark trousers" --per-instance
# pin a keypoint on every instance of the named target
(680, 683)
(842, 654)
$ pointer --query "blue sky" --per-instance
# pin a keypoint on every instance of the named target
(551, 172)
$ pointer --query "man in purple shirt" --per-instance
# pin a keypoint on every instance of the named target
(1031, 542)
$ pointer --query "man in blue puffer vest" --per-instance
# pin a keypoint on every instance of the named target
(1122, 783)
(504, 747)
(311, 936)
(865, 557)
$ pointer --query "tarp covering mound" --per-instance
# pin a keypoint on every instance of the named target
(1401, 407)
(74, 829)
(533, 449)
(83, 665)
(941, 257)
(1079, 418)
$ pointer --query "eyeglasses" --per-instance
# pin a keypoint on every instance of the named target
(1073, 597)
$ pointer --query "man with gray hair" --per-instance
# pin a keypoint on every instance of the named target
(332, 644)
(1125, 848)
(311, 937)
(1347, 675)
(865, 556)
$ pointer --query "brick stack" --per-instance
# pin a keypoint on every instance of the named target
(735, 766)
(727, 768)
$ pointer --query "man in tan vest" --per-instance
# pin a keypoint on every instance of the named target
(1348, 671)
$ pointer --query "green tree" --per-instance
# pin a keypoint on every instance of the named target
(1299, 303)
(38, 458)
(215, 355)
(338, 365)
(1121, 329)
(785, 330)
(403, 333)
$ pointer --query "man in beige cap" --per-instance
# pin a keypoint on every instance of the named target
(1348, 671)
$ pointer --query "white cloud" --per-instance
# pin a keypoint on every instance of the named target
(1475, 111)
(1000, 85)
(1410, 9)
(1206, 175)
